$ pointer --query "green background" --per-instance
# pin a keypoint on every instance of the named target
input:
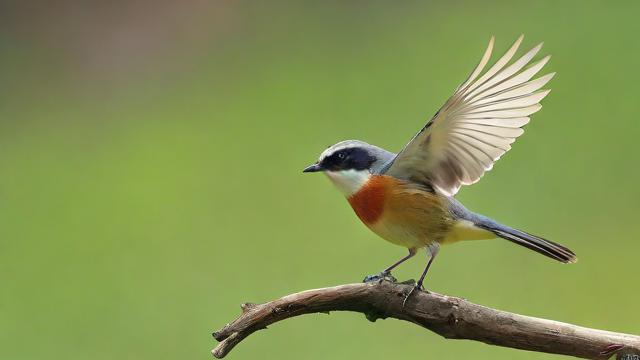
(151, 156)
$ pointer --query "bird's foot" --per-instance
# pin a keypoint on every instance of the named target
(414, 288)
(385, 275)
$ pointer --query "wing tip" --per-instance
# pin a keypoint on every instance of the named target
(489, 50)
(518, 41)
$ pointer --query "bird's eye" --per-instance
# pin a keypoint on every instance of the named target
(341, 156)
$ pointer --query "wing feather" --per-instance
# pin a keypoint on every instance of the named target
(512, 69)
(515, 91)
(526, 75)
(477, 125)
(483, 62)
(521, 101)
(504, 60)
(506, 132)
(509, 122)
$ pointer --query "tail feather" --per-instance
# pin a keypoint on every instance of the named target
(537, 244)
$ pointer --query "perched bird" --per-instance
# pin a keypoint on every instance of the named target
(407, 198)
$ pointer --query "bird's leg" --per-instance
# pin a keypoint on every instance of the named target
(412, 252)
(386, 273)
(432, 251)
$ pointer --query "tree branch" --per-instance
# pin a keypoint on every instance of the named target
(451, 317)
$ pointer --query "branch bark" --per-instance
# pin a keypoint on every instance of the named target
(451, 317)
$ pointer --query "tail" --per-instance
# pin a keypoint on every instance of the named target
(535, 243)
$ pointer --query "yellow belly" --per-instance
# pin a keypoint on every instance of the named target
(435, 226)
(400, 234)
(465, 230)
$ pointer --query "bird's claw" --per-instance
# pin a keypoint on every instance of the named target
(415, 287)
(385, 275)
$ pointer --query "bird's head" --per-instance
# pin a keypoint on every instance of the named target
(349, 164)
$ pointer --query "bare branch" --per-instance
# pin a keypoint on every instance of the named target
(451, 317)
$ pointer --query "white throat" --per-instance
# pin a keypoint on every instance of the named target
(348, 181)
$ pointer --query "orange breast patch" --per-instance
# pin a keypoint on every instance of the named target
(369, 201)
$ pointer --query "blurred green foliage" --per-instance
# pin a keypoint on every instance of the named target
(138, 209)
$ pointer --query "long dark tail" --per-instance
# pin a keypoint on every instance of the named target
(535, 243)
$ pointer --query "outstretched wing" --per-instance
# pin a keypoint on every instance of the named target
(477, 125)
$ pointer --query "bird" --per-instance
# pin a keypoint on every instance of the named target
(407, 198)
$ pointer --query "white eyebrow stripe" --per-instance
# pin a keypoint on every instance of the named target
(341, 146)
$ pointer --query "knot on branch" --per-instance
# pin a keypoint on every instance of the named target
(247, 306)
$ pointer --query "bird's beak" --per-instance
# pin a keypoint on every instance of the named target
(313, 168)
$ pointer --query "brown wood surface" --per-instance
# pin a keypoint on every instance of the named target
(451, 317)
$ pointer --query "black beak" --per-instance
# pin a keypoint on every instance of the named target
(313, 168)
